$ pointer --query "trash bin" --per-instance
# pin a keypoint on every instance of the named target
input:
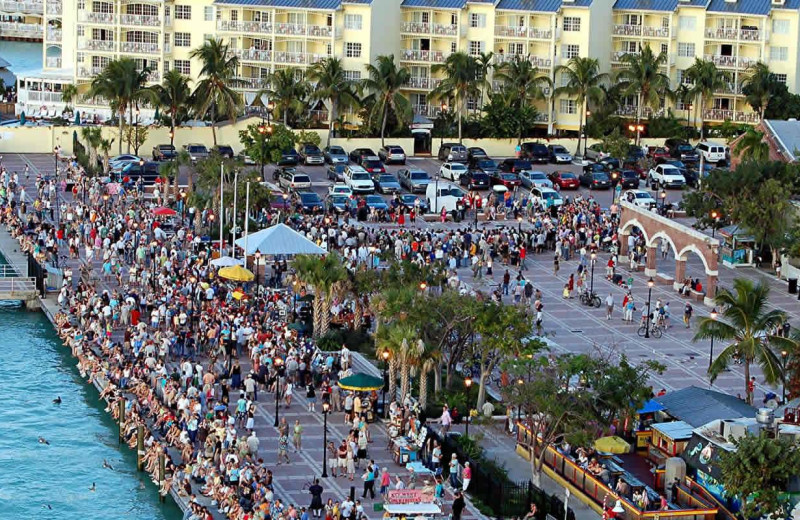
(792, 285)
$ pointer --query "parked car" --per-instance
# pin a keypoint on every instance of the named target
(595, 180)
(641, 198)
(625, 178)
(246, 159)
(507, 179)
(373, 165)
(224, 150)
(164, 152)
(536, 152)
(565, 180)
(452, 171)
(335, 155)
(291, 179)
(340, 189)
(150, 172)
(595, 152)
(474, 180)
(666, 176)
(658, 153)
(337, 203)
(358, 154)
(452, 152)
(530, 179)
(559, 154)
(311, 154)
(386, 183)
(124, 158)
(336, 172)
(681, 150)
(278, 199)
(289, 157)
(634, 153)
(310, 201)
(690, 176)
(409, 200)
(196, 151)
(414, 180)
(391, 153)
(712, 152)
(515, 165)
(547, 197)
(485, 165)
(376, 202)
(358, 179)
(476, 152)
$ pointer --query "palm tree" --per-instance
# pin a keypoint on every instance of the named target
(105, 146)
(642, 76)
(748, 328)
(427, 361)
(174, 94)
(523, 83)
(684, 94)
(583, 82)
(460, 71)
(758, 86)
(214, 93)
(93, 136)
(707, 79)
(68, 94)
(752, 146)
(287, 90)
(332, 84)
(324, 274)
(484, 63)
(404, 346)
(123, 86)
(385, 79)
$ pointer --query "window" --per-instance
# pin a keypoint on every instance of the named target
(81, 31)
(477, 20)
(475, 48)
(183, 66)
(166, 65)
(779, 53)
(352, 50)
(686, 50)
(516, 48)
(570, 51)
(572, 23)
(664, 48)
(452, 47)
(183, 39)
(565, 79)
(183, 12)
(682, 78)
(628, 19)
(207, 37)
(208, 13)
(234, 16)
(352, 21)
(630, 47)
(102, 7)
(781, 78)
(687, 22)
(780, 26)
(567, 106)
(352, 75)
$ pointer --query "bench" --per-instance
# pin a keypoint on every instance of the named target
(664, 279)
(696, 296)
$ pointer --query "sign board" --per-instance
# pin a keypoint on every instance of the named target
(408, 496)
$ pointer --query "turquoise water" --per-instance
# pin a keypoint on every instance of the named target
(35, 368)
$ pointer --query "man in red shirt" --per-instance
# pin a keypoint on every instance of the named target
(522, 253)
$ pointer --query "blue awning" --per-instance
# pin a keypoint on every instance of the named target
(651, 407)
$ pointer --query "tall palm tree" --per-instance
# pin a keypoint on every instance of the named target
(93, 136)
(214, 93)
(287, 90)
(523, 83)
(752, 146)
(323, 274)
(68, 94)
(643, 77)
(748, 328)
(105, 147)
(124, 87)
(683, 94)
(584, 82)
(484, 63)
(173, 93)
(385, 79)
(332, 84)
(460, 71)
(758, 86)
(707, 79)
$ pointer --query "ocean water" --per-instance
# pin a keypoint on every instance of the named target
(35, 367)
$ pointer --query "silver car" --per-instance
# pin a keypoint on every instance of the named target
(414, 180)
(335, 155)
(196, 151)
(531, 179)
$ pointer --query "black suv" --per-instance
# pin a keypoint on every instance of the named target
(515, 165)
(536, 152)
(224, 150)
(681, 150)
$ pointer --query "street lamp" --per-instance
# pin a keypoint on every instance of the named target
(585, 134)
(663, 196)
(327, 221)
(713, 316)
(650, 284)
(443, 115)
(105, 201)
(715, 216)
(277, 388)
(55, 162)
(326, 407)
(468, 384)
(385, 355)
(593, 257)
(784, 355)
(423, 286)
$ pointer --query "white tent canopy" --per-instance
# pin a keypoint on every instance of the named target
(226, 261)
(279, 239)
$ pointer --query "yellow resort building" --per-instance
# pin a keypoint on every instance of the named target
(79, 37)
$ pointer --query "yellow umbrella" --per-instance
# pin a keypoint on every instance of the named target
(612, 444)
(236, 273)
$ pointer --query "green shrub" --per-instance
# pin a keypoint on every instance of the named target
(355, 340)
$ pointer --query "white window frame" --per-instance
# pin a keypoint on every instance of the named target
(688, 23)
(352, 50)
(477, 20)
(571, 50)
(781, 26)
(183, 12)
(782, 78)
(208, 13)
(778, 53)
(183, 66)
(183, 39)
(352, 75)
(476, 47)
(353, 22)
(572, 23)
(567, 106)
(686, 50)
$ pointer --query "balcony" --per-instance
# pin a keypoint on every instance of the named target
(542, 117)
(718, 114)
(96, 18)
(536, 61)
(251, 83)
(54, 8)
(730, 62)
(244, 26)
(423, 83)
(296, 29)
(140, 20)
(507, 31)
(9, 6)
(299, 58)
(153, 76)
(750, 35)
(616, 56)
(97, 45)
(319, 31)
(627, 30)
(89, 72)
(632, 111)
(140, 48)
(445, 29)
(53, 62)
(54, 34)
(540, 34)
(426, 56)
(22, 30)
(38, 96)
(415, 27)
(730, 88)
(726, 33)
(427, 110)
(649, 31)
(252, 54)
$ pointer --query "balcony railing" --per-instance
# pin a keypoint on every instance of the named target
(319, 116)
(54, 8)
(299, 57)
(536, 61)
(731, 62)
(252, 83)
(445, 29)
(38, 96)
(649, 31)
(729, 88)
(423, 83)
(428, 56)
(140, 20)
(54, 34)
(153, 76)
(319, 31)
(53, 62)
(616, 56)
(509, 31)
(632, 111)
(415, 27)
(97, 45)
(718, 114)
(622, 29)
(540, 34)
(723, 33)
(140, 48)
(96, 18)
(427, 110)
(9, 6)
(245, 26)
(89, 72)
(750, 35)
(542, 117)
(297, 29)
(252, 54)
(22, 30)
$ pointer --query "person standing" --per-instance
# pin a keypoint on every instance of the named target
(458, 505)
(297, 436)
(369, 482)
(687, 314)
(283, 449)
(609, 306)
(316, 499)
(466, 476)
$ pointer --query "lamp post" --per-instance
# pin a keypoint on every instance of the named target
(258, 262)
(713, 316)
(278, 363)
(585, 134)
(385, 355)
(715, 215)
(663, 197)
(211, 224)
(784, 355)
(105, 202)
(327, 221)
(468, 384)
(519, 225)
(141, 171)
(443, 114)
(593, 257)
(423, 286)
(55, 162)
(475, 200)
(325, 409)
(650, 284)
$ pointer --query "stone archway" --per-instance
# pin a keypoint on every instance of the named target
(682, 239)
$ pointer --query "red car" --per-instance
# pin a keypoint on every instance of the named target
(373, 165)
(658, 153)
(565, 180)
(509, 180)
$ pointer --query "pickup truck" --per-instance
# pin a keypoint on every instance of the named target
(665, 176)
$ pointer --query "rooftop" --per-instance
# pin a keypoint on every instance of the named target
(698, 406)
(786, 135)
(675, 430)
(292, 4)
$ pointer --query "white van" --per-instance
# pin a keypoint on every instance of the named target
(450, 196)
(711, 152)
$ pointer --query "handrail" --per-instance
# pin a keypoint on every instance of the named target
(17, 284)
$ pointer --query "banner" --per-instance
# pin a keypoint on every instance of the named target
(408, 496)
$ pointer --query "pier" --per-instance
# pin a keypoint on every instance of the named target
(15, 284)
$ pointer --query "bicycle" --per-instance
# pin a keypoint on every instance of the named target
(655, 330)
(591, 299)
